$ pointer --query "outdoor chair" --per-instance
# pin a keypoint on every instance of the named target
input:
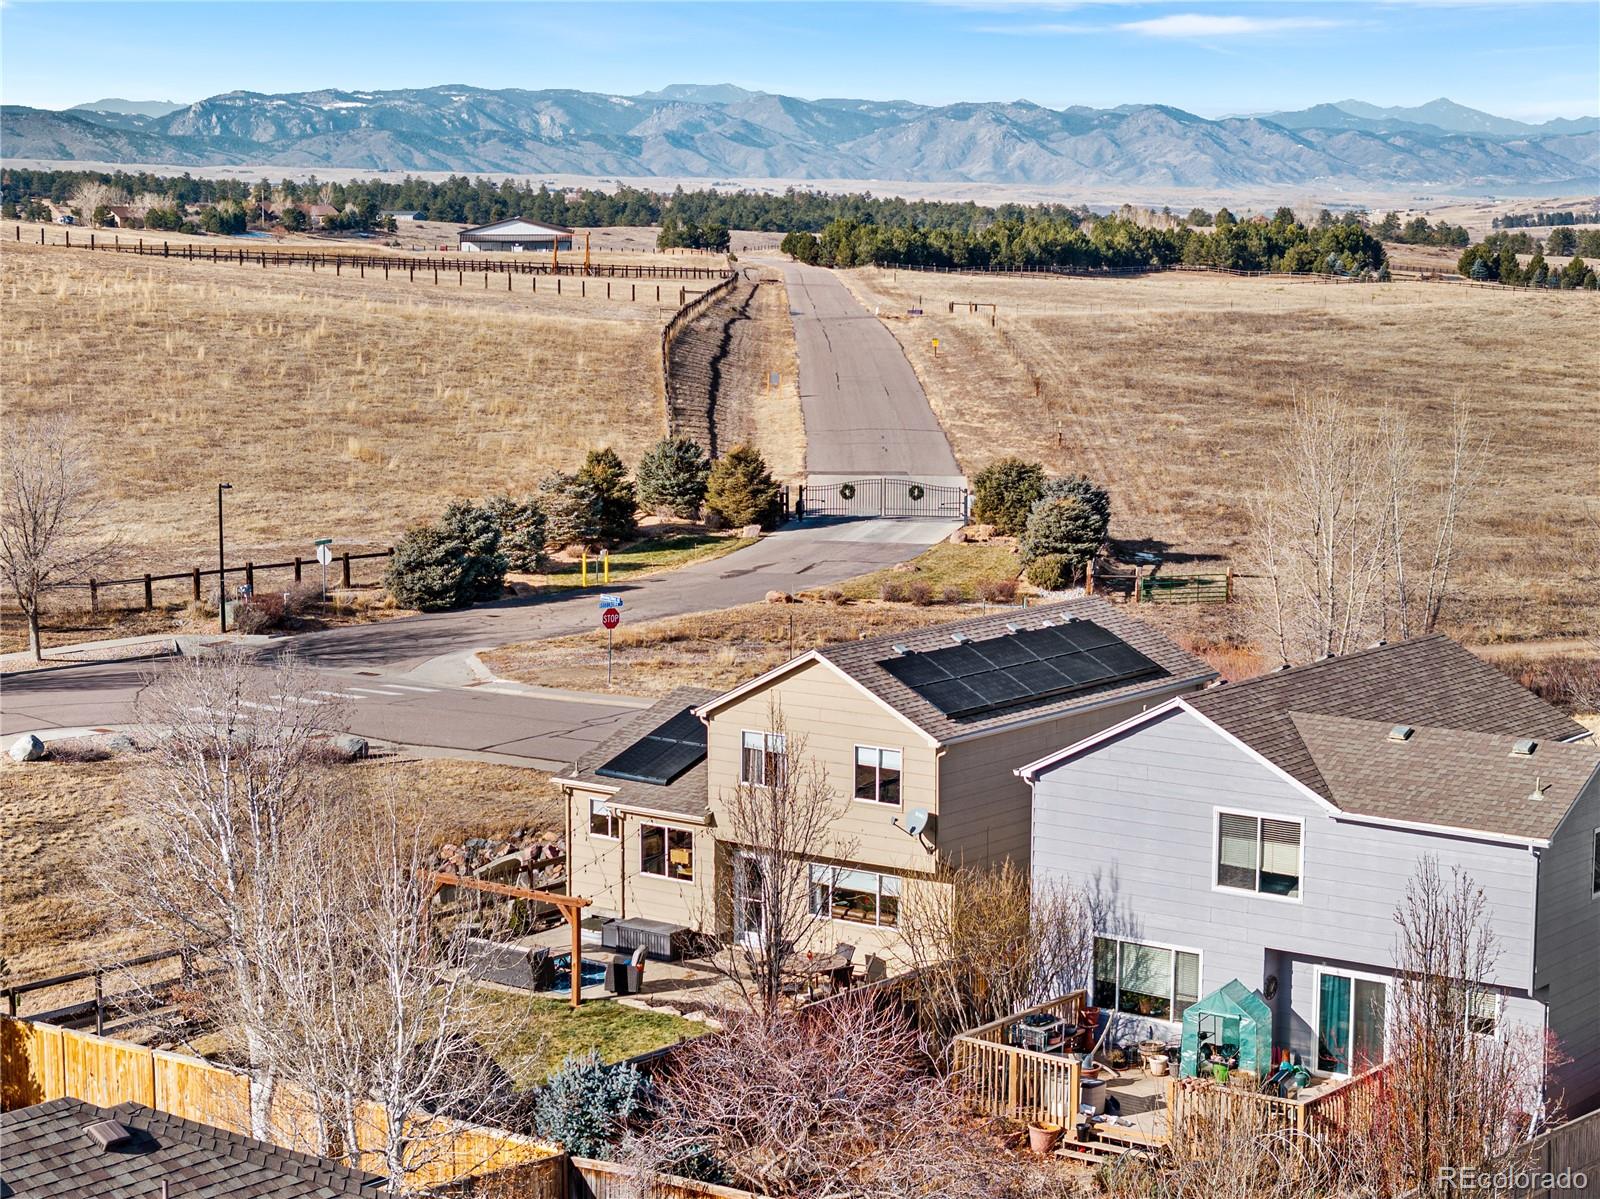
(874, 970)
(636, 964)
(841, 950)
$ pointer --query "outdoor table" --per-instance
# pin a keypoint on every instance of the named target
(811, 967)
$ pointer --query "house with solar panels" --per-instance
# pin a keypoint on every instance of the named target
(918, 735)
(1266, 831)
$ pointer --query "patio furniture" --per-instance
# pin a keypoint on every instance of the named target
(662, 940)
(625, 974)
(874, 970)
(1043, 1033)
(842, 950)
(810, 968)
(509, 965)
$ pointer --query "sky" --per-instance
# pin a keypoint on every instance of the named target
(1529, 60)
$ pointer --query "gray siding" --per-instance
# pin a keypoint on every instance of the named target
(1567, 948)
(1131, 822)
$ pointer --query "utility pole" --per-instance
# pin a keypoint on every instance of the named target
(222, 575)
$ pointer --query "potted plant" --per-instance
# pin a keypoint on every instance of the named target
(1043, 1137)
(1156, 1063)
(1088, 1067)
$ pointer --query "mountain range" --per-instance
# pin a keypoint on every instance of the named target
(719, 131)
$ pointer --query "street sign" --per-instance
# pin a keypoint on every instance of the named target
(611, 618)
(324, 553)
(611, 601)
(913, 312)
(323, 541)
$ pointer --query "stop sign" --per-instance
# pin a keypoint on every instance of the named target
(611, 618)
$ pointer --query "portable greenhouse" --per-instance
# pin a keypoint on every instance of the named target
(1232, 1027)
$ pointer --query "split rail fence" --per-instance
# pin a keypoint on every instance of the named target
(195, 575)
(40, 1062)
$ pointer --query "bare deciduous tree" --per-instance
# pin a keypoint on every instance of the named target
(47, 515)
(90, 196)
(1352, 537)
(778, 825)
(992, 943)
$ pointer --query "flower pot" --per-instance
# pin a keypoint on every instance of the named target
(1089, 1070)
(1157, 1064)
(1043, 1138)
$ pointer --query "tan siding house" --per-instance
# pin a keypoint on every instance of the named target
(923, 782)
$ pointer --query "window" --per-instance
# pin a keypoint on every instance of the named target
(1154, 981)
(666, 852)
(1352, 1014)
(1258, 854)
(878, 774)
(860, 896)
(603, 822)
(761, 759)
(1483, 1012)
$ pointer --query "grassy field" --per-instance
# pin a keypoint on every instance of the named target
(1164, 389)
(335, 406)
(54, 919)
(544, 1031)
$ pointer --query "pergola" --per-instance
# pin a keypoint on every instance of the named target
(571, 907)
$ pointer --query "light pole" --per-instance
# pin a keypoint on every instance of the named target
(222, 566)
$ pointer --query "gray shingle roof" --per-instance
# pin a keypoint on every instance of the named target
(860, 660)
(1428, 682)
(1447, 776)
(686, 794)
(47, 1155)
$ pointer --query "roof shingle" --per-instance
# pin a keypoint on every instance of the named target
(686, 794)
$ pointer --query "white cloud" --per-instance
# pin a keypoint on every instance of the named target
(1210, 25)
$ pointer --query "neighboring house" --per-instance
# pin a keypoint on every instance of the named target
(518, 234)
(69, 1149)
(317, 214)
(402, 214)
(1267, 831)
(122, 216)
(917, 735)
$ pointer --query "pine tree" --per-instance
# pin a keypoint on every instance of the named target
(741, 489)
(1005, 491)
(483, 575)
(672, 478)
(619, 502)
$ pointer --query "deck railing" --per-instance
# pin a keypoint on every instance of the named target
(1007, 1080)
(1203, 1108)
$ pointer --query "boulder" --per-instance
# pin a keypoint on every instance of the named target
(981, 532)
(779, 597)
(959, 537)
(750, 531)
(120, 743)
(350, 746)
(906, 567)
(26, 748)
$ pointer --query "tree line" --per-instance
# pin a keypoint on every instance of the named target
(1522, 220)
(1497, 259)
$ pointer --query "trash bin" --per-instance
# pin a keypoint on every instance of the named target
(1092, 1095)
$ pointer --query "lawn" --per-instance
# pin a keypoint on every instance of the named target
(647, 556)
(943, 567)
(543, 1031)
(1165, 389)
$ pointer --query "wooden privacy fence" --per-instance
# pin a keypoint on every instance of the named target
(340, 261)
(195, 574)
(39, 1062)
(591, 1179)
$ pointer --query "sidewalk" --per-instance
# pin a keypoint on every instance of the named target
(120, 649)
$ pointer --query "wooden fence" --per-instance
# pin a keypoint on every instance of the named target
(1003, 1079)
(195, 574)
(590, 1179)
(340, 261)
(1204, 1109)
(39, 1062)
(1203, 587)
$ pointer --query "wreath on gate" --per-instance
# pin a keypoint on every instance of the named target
(847, 491)
(916, 492)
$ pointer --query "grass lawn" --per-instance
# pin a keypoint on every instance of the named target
(544, 1031)
(667, 552)
(944, 566)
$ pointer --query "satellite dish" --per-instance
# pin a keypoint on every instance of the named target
(917, 822)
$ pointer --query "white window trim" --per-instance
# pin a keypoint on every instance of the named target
(880, 750)
(1316, 1025)
(766, 745)
(611, 814)
(877, 919)
(1217, 813)
(1594, 867)
(1172, 995)
(666, 848)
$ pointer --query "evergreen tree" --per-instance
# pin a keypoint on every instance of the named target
(672, 478)
(1561, 242)
(1066, 526)
(1078, 487)
(741, 490)
(1005, 491)
(483, 574)
(619, 503)
(523, 529)
(426, 570)
(586, 1103)
(572, 510)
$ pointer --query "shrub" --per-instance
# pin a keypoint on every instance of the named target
(585, 1103)
(572, 509)
(258, 614)
(803, 247)
(672, 478)
(997, 591)
(483, 573)
(1078, 487)
(832, 596)
(618, 501)
(1066, 526)
(893, 592)
(1051, 572)
(523, 530)
(919, 593)
(425, 571)
(741, 489)
(953, 594)
(1004, 492)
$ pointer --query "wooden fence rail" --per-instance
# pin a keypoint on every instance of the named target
(341, 260)
(591, 1179)
(195, 574)
(39, 1062)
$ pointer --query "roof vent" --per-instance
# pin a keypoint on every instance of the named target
(900, 650)
(1524, 748)
(1013, 627)
(1074, 619)
(1282, 666)
(1538, 791)
(1401, 732)
(108, 1134)
(1379, 643)
(961, 638)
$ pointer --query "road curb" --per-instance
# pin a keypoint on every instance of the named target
(59, 667)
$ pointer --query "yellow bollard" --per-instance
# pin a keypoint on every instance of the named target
(584, 569)
(605, 566)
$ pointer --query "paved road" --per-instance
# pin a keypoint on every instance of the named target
(865, 412)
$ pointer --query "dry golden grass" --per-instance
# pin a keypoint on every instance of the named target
(750, 409)
(335, 406)
(1166, 388)
(55, 919)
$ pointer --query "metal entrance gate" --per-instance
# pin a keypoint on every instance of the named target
(884, 497)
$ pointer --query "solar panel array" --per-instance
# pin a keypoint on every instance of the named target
(663, 754)
(1020, 667)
